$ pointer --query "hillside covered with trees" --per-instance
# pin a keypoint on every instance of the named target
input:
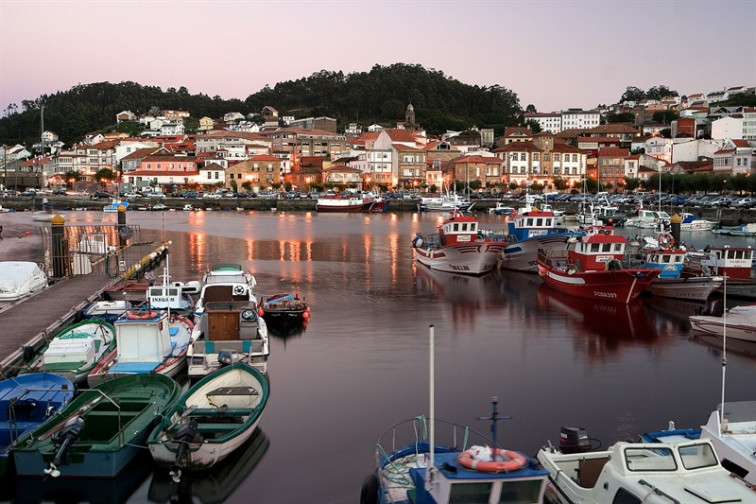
(378, 96)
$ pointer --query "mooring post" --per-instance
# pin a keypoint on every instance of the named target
(122, 233)
(59, 249)
(675, 222)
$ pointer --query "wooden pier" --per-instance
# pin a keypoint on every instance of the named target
(33, 321)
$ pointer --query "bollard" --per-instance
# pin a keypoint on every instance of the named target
(59, 249)
(675, 222)
(122, 234)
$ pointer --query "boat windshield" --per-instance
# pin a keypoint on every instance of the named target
(650, 459)
(697, 456)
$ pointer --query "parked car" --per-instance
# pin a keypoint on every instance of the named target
(746, 202)
(59, 192)
(101, 195)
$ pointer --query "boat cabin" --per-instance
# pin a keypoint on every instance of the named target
(143, 341)
(600, 251)
(670, 261)
(454, 483)
(734, 262)
(458, 228)
(531, 224)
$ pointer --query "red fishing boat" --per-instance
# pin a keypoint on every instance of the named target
(592, 268)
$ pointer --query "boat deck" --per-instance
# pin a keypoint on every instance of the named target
(35, 319)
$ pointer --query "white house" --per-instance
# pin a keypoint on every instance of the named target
(212, 174)
(659, 148)
(727, 127)
(690, 150)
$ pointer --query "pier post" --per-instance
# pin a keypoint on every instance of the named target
(59, 248)
(675, 222)
(124, 233)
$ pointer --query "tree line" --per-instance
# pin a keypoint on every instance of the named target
(379, 96)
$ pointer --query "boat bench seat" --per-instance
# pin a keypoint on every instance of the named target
(217, 412)
(205, 428)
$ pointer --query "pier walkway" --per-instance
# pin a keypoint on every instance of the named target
(35, 320)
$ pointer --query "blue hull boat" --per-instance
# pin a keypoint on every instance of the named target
(26, 402)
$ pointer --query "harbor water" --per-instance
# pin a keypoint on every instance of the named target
(361, 365)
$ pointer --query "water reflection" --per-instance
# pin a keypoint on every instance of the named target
(604, 328)
(467, 296)
(215, 485)
(92, 490)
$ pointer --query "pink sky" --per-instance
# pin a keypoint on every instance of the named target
(554, 55)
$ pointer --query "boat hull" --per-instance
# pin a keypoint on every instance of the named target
(344, 205)
(474, 258)
(693, 288)
(113, 434)
(197, 404)
(620, 286)
(715, 326)
(523, 255)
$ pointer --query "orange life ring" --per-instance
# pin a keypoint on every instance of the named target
(514, 460)
(666, 240)
(141, 315)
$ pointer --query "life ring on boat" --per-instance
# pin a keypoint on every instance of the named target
(666, 240)
(239, 290)
(514, 461)
(141, 315)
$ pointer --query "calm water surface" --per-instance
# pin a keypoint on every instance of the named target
(362, 363)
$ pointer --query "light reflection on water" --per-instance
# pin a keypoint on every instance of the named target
(362, 363)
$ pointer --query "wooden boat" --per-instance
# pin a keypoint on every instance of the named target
(19, 279)
(100, 431)
(217, 485)
(649, 472)
(593, 269)
(285, 309)
(530, 231)
(175, 297)
(459, 246)
(26, 402)
(147, 341)
(213, 418)
(413, 467)
(76, 350)
(108, 311)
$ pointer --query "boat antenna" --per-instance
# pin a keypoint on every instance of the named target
(432, 409)
(495, 417)
(724, 353)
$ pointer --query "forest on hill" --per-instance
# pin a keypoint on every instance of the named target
(378, 96)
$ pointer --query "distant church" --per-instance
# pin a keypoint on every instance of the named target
(409, 119)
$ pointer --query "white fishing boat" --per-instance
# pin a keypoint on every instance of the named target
(147, 342)
(692, 222)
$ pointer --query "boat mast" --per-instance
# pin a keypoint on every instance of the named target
(432, 413)
(724, 355)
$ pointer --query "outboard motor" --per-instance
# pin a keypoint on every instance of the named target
(574, 440)
(62, 440)
(183, 438)
(225, 358)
